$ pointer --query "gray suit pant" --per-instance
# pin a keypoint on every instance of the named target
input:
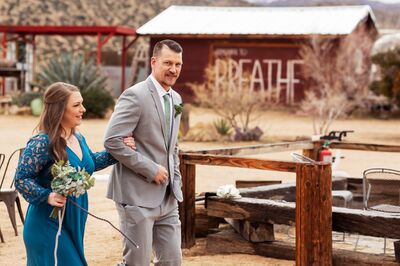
(157, 229)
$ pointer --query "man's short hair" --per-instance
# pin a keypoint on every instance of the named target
(173, 45)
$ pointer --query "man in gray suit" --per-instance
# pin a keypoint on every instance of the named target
(146, 183)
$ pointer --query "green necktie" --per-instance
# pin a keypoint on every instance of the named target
(167, 112)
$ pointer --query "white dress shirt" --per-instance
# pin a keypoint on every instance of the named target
(161, 92)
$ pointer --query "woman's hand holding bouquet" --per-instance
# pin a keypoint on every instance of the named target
(67, 181)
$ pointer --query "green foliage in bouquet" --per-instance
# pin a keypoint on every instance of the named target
(68, 181)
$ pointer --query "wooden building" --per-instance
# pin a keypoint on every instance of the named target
(261, 43)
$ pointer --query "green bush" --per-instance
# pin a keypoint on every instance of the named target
(97, 102)
(83, 74)
(389, 85)
(222, 126)
(24, 99)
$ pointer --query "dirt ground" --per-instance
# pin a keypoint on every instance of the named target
(103, 245)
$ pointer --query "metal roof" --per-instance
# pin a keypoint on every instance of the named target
(199, 20)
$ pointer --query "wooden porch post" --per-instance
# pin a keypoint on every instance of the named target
(313, 214)
(4, 44)
(313, 153)
(123, 64)
(187, 209)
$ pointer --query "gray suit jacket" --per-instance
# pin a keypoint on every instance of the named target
(139, 113)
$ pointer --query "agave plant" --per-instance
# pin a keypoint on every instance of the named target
(222, 126)
(83, 74)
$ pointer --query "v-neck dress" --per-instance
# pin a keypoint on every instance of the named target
(32, 180)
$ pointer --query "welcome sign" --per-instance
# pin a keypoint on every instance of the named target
(274, 69)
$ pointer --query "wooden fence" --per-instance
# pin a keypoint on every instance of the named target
(313, 191)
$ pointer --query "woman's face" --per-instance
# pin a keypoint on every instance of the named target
(73, 111)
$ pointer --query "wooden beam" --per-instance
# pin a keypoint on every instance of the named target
(312, 152)
(396, 245)
(253, 232)
(205, 224)
(187, 209)
(285, 191)
(255, 183)
(365, 147)
(258, 149)
(254, 210)
(313, 214)
(363, 222)
(228, 242)
(240, 162)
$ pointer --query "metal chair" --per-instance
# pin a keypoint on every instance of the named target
(375, 182)
(376, 179)
(2, 158)
(9, 195)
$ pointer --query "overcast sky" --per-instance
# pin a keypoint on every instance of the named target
(388, 1)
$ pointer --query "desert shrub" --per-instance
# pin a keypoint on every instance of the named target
(83, 74)
(253, 134)
(337, 74)
(222, 126)
(389, 84)
(231, 99)
(24, 99)
(97, 102)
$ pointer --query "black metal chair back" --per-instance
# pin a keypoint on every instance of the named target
(12, 156)
(2, 159)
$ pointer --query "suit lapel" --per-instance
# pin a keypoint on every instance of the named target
(160, 112)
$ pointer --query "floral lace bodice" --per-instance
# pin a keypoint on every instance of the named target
(33, 177)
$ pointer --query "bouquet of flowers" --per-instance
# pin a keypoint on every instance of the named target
(68, 181)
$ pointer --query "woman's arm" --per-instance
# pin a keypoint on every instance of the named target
(33, 159)
(104, 159)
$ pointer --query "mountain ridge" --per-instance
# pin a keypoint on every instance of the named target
(387, 14)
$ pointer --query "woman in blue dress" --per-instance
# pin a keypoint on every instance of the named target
(57, 140)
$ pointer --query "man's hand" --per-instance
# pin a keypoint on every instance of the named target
(55, 199)
(161, 176)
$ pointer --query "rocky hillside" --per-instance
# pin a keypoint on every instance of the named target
(133, 13)
(130, 13)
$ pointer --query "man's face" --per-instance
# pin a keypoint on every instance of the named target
(166, 67)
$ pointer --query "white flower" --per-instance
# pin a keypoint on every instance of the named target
(228, 191)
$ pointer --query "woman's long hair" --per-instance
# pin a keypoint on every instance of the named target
(56, 98)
